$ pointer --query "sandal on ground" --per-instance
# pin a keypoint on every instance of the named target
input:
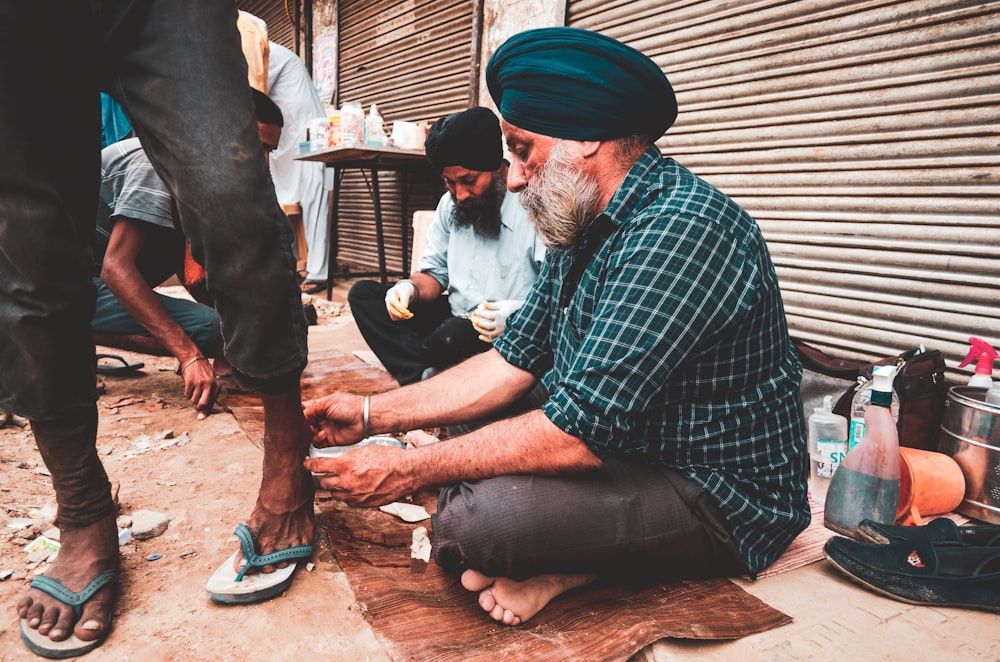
(313, 286)
(231, 587)
(117, 366)
(40, 644)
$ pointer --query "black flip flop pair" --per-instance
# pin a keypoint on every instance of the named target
(112, 364)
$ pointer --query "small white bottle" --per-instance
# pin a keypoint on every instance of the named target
(859, 405)
(374, 131)
(827, 447)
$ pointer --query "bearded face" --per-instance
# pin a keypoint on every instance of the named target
(560, 200)
(482, 214)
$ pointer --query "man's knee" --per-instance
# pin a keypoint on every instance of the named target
(365, 291)
(205, 330)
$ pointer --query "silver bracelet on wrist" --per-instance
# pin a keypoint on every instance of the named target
(189, 363)
(364, 417)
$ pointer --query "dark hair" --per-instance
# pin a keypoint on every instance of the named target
(267, 111)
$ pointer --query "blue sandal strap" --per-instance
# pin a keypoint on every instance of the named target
(255, 560)
(74, 599)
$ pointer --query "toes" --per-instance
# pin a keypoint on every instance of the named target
(57, 624)
(95, 618)
(487, 602)
(473, 580)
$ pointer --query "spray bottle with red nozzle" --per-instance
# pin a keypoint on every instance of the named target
(983, 354)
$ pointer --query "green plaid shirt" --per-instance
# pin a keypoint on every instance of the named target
(672, 348)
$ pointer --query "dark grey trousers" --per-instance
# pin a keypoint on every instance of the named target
(624, 520)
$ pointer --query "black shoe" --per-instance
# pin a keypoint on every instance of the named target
(922, 572)
(309, 311)
(941, 529)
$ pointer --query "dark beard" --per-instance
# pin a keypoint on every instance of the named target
(483, 214)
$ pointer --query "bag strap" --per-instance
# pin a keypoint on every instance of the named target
(817, 361)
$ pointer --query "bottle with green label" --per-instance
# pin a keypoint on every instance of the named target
(866, 485)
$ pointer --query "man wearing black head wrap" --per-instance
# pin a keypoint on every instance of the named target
(480, 247)
(672, 442)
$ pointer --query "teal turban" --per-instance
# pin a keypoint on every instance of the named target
(579, 85)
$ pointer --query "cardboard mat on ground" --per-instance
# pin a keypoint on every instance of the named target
(428, 616)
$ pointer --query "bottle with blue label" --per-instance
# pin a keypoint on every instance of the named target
(866, 484)
(859, 405)
(827, 447)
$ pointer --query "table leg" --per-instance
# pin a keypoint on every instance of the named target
(331, 230)
(379, 237)
(404, 184)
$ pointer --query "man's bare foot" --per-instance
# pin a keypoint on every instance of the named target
(86, 552)
(511, 602)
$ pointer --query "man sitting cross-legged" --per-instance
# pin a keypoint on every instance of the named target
(672, 443)
(481, 248)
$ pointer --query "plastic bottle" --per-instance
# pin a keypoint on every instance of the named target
(827, 447)
(993, 395)
(352, 124)
(374, 132)
(859, 405)
(866, 485)
(983, 354)
(333, 127)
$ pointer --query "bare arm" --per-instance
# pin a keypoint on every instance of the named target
(374, 475)
(469, 391)
(121, 274)
(428, 288)
(527, 444)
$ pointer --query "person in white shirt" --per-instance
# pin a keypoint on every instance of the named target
(481, 257)
(299, 184)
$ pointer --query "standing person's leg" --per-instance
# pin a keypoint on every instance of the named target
(398, 344)
(519, 545)
(181, 75)
(315, 210)
(50, 139)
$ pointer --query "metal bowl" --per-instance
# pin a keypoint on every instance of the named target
(970, 434)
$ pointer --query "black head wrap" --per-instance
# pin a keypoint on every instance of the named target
(579, 85)
(470, 139)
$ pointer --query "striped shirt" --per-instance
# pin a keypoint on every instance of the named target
(672, 348)
(131, 188)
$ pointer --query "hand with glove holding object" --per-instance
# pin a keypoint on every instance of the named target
(398, 299)
(489, 318)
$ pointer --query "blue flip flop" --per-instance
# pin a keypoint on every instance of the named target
(231, 587)
(40, 644)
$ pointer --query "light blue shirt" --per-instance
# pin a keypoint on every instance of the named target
(474, 268)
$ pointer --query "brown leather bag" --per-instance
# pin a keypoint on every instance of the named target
(919, 384)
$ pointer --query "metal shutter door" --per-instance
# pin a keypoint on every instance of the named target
(412, 59)
(863, 136)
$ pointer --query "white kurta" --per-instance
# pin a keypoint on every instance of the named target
(299, 182)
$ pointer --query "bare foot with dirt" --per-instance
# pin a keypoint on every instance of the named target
(511, 602)
(86, 552)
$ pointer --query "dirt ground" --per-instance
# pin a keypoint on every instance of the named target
(204, 476)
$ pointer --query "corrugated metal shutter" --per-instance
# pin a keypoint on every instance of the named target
(278, 14)
(864, 138)
(412, 59)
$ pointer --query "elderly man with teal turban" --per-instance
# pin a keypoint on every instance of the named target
(672, 443)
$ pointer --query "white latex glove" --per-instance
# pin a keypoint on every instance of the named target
(398, 299)
(490, 317)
